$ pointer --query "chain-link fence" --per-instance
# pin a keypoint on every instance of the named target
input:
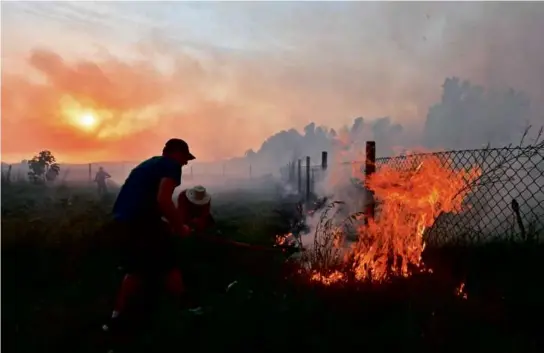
(505, 203)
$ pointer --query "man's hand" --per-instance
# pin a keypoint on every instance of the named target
(185, 230)
(182, 231)
(166, 205)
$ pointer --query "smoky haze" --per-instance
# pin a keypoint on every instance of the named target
(465, 75)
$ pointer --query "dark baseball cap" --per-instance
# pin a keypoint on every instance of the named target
(178, 145)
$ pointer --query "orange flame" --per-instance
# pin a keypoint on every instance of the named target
(334, 277)
(409, 203)
(283, 239)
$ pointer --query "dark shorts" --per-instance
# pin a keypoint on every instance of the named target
(145, 248)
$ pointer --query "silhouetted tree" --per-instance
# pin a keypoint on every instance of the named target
(53, 172)
(468, 116)
(40, 164)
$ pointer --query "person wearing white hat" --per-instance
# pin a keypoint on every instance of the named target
(194, 206)
(194, 212)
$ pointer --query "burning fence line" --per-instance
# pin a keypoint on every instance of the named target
(391, 244)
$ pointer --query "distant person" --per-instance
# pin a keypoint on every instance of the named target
(100, 180)
(145, 239)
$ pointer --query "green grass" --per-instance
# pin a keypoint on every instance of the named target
(59, 277)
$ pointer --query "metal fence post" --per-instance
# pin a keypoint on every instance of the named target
(313, 180)
(308, 178)
(300, 177)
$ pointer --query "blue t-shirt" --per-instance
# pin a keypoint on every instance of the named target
(137, 200)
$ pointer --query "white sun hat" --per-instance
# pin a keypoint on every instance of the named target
(198, 195)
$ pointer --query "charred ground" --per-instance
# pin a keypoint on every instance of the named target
(59, 277)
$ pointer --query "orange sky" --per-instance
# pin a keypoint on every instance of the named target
(136, 108)
(225, 76)
(220, 110)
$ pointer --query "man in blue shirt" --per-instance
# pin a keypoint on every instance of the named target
(145, 240)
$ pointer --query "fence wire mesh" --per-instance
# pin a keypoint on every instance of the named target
(505, 203)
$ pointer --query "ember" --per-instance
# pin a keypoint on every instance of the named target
(461, 291)
(282, 239)
(336, 276)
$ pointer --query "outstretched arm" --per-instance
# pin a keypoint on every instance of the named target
(182, 209)
(168, 209)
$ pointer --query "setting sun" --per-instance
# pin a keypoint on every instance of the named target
(87, 120)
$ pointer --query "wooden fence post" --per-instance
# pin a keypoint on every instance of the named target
(370, 168)
(308, 178)
(324, 163)
(90, 173)
(250, 177)
(300, 177)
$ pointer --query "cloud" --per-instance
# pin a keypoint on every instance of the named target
(222, 104)
(33, 113)
(229, 75)
(199, 104)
